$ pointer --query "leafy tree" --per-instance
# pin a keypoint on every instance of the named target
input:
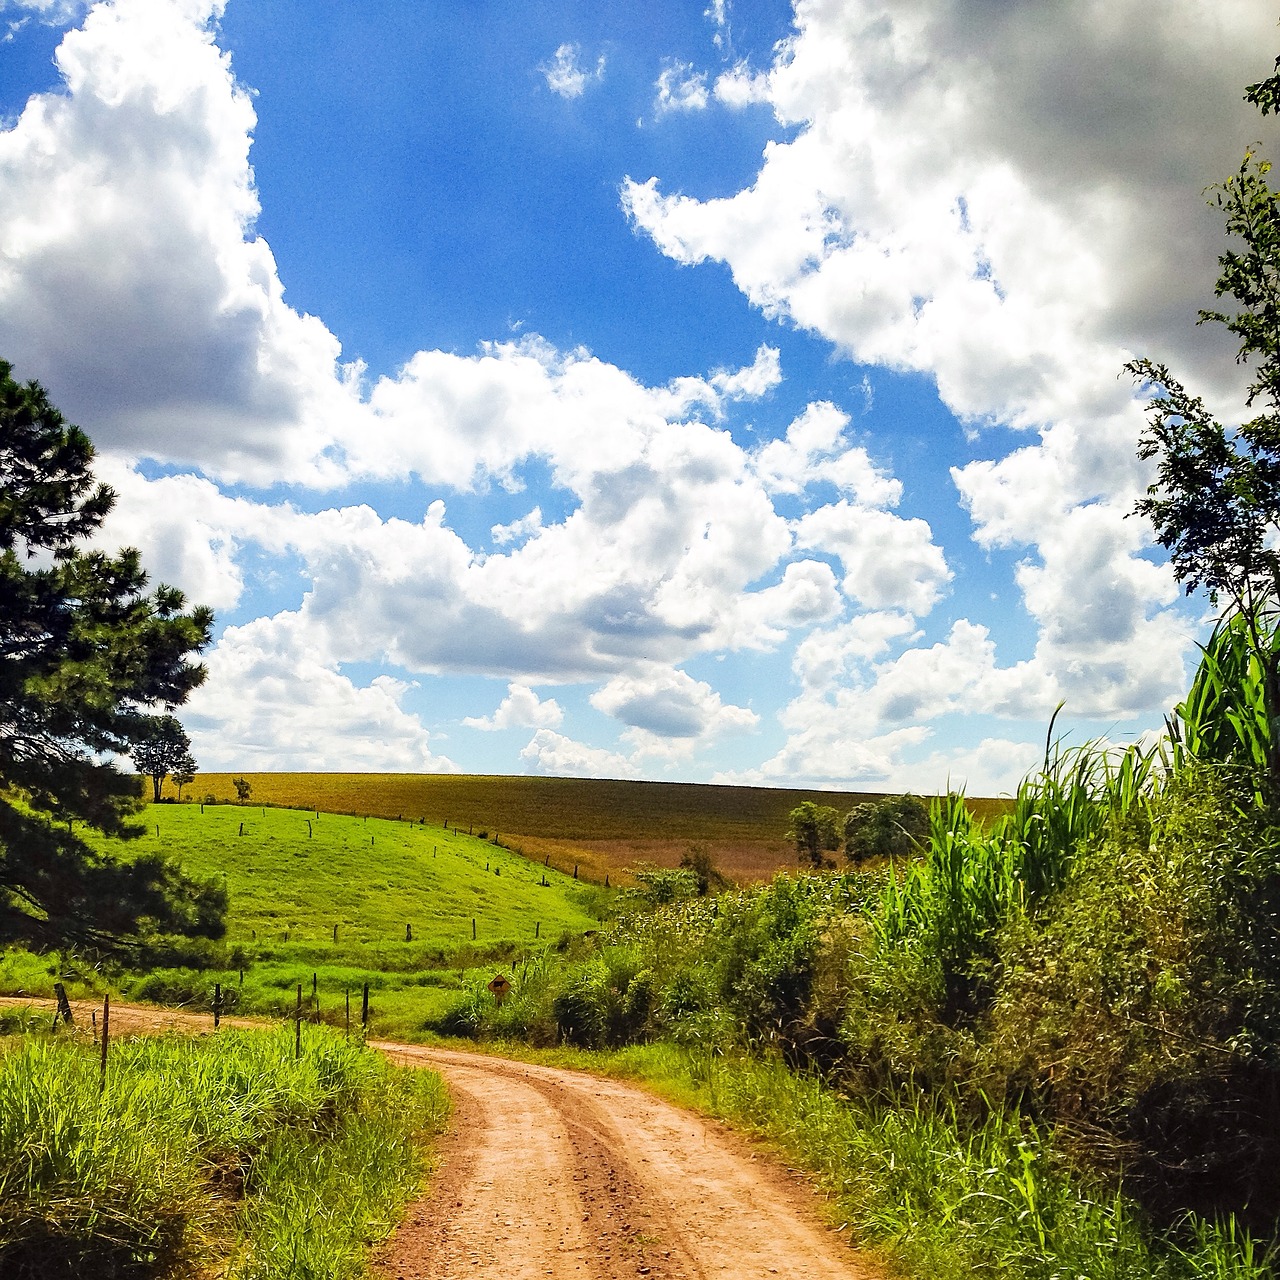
(85, 653)
(890, 828)
(1215, 503)
(243, 789)
(184, 772)
(160, 748)
(816, 830)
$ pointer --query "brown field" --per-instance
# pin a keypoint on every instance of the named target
(602, 826)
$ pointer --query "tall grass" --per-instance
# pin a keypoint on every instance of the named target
(220, 1149)
(944, 1196)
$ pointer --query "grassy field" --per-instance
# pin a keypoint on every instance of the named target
(205, 1155)
(602, 825)
(331, 903)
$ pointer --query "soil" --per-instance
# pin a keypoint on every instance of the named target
(550, 1172)
(559, 1173)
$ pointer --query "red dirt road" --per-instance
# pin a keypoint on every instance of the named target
(558, 1173)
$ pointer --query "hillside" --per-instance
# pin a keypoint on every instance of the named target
(603, 825)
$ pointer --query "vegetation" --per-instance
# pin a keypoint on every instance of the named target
(221, 1154)
(84, 654)
(160, 748)
(600, 825)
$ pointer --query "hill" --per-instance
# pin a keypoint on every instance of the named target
(603, 825)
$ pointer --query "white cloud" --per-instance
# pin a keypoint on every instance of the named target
(552, 753)
(565, 74)
(667, 703)
(740, 87)
(680, 88)
(275, 700)
(520, 709)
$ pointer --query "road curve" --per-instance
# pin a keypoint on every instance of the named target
(558, 1173)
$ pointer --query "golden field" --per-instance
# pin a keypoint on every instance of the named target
(603, 826)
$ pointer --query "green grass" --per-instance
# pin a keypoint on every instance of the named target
(292, 877)
(221, 1154)
(291, 873)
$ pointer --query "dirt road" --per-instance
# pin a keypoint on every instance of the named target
(547, 1172)
(560, 1173)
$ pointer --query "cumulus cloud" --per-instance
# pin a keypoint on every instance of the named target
(275, 700)
(565, 75)
(553, 754)
(680, 88)
(668, 703)
(520, 709)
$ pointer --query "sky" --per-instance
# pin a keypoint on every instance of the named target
(718, 392)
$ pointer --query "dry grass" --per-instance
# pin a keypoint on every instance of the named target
(602, 825)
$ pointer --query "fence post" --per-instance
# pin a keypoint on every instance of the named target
(217, 1004)
(348, 1013)
(364, 1007)
(106, 1032)
(408, 933)
(64, 1005)
(473, 928)
(537, 927)
(297, 1026)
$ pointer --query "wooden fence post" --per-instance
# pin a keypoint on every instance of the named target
(364, 1007)
(537, 927)
(64, 1005)
(348, 1013)
(106, 1032)
(217, 1004)
(408, 933)
(473, 928)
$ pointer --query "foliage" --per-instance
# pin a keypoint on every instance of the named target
(891, 828)
(225, 1150)
(161, 747)
(708, 878)
(243, 788)
(815, 828)
(1215, 503)
(84, 652)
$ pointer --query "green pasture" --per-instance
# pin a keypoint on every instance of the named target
(421, 916)
(398, 893)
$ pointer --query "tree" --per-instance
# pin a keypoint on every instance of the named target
(816, 830)
(184, 771)
(890, 828)
(160, 748)
(243, 789)
(85, 655)
(710, 879)
(1215, 502)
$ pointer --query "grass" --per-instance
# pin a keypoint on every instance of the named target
(292, 877)
(221, 1154)
(603, 825)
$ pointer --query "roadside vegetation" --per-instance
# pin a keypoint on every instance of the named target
(213, 1155)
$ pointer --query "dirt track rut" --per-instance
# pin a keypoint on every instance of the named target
(558, 1173)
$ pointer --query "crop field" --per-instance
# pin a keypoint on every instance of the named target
(602, 825)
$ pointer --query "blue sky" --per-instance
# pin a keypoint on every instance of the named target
(706, 392)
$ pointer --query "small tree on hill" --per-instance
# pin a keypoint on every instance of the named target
(184, 772)
(161, 748)
(243, 789)
(816, 830)
(890, 828)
